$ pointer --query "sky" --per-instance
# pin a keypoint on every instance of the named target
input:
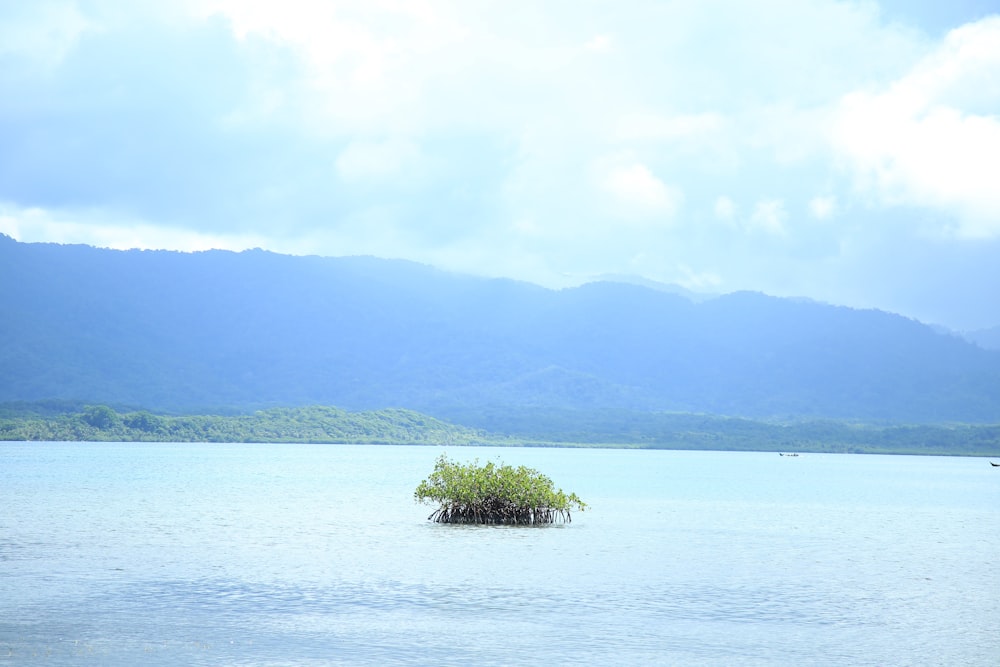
(845, 151)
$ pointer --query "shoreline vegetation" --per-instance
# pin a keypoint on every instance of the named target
(44, 421)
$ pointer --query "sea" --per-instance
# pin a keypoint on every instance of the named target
(289, 554)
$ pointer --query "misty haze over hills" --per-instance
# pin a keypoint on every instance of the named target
(988, 339)
(220, 330)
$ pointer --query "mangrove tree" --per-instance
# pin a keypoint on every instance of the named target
(494, 494)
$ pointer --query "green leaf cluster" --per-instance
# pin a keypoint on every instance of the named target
(494, 494)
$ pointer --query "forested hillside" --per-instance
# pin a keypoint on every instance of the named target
(230, 332)
(305, 424)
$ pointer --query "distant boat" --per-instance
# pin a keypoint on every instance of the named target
(995, 465)
(793, 454)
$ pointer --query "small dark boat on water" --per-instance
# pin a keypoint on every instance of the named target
(784, 454)
(995, 465)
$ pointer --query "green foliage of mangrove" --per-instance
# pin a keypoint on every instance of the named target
(494, 494)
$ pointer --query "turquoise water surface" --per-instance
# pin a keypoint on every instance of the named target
(167, 554)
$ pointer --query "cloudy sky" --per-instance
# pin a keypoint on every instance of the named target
(847, 151)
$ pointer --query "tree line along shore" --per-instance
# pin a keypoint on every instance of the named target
(325, 424)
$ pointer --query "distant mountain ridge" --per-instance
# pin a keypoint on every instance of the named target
(988, 339)
(176, 331)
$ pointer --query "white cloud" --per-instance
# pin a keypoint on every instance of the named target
(41, 32)
(725, 208)
(640, 190)
(768, 216)
(648, 126)
(363, 66)
(374, 161)
(932, 138)
(697, 281)
(822, 207)
(598, 43)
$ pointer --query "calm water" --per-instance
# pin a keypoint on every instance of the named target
(126, 554)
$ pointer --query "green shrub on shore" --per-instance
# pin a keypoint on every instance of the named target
(494, 494)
